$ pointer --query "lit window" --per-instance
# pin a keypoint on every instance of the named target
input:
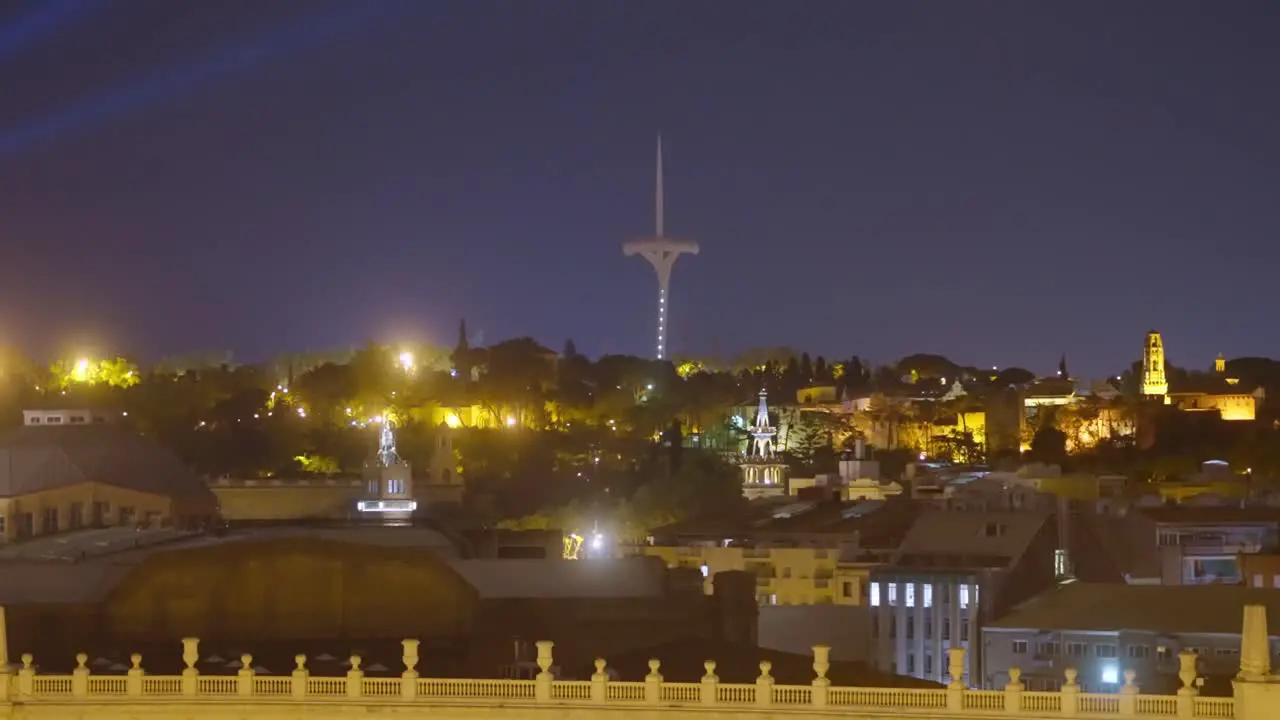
(911, 594)
(705, 571)
(875, 594)
(893, 593)
(964, 595)
(928, 594)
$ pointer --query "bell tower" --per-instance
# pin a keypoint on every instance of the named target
(1154, 383)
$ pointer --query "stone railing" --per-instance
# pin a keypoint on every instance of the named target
(29, 687)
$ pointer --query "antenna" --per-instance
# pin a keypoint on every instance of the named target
(658, 191)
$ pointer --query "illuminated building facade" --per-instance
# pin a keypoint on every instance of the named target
(763, 473)
(1154, 383)
(388, 481)
(661, 252)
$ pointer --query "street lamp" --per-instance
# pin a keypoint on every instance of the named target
(406, 361)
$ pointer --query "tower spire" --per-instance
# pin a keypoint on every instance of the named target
(658, 194)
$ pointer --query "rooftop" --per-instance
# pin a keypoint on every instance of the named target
(35, 458)
(1169, 609)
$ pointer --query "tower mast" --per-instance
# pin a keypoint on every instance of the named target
(661, 252)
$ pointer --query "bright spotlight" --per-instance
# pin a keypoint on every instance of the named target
(406, 361)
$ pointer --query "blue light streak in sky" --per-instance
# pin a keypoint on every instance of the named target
(302, 35)
(47, 16)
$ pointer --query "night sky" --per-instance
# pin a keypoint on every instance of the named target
(997, 182)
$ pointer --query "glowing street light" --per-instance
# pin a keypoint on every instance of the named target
(406, 361)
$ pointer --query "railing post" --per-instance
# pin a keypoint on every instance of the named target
(27, 676)
(955, 685)
(80, 677)
(355, 678)
(709, 683)
(1129, 694)
(409, 678)
(298, 679)
(244, 677)
(133, 681)
(1013, 692)
(1187, 693)
(600, 682)
(1071, 693)
(542, 683)
(821, 664)
(190, 675)
(764, 684)
(5, 676)
(653, 683)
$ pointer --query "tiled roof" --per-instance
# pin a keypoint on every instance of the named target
(1210, 515)
(42, 458)
(1152, 608)
(990, 539)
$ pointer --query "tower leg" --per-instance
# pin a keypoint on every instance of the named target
(663, 301)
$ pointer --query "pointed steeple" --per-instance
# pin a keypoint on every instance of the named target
(1062, 368)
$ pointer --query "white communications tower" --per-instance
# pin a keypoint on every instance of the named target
(661, 252)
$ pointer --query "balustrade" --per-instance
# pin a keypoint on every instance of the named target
(31, 687)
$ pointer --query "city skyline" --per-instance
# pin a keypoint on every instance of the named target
(983, 183)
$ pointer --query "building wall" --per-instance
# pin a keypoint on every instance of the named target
(115, 506)
(1101, 657)
(267, 500)
(916, 616)
(1234, 407)
(846, 629)
(784, 576)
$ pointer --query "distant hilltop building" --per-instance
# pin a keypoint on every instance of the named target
(1154, 382)
(1216, 392)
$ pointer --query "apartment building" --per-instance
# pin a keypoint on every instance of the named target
(1102, 630)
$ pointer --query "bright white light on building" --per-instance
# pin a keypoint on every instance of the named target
(1110, 675)
(511, 422)
(302, 413)
(706, 571)
(406, 361)
(387, 506)
(597, 541)
(875, 594)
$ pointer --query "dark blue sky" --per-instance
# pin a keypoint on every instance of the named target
(998, 182)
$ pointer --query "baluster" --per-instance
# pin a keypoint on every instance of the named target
(1129, 694)
(27, 676)
(133, 681)
(190, 675)
(298, 679)
(955, 685)
(1187, 693)
(1071, 693)
(600, 682)
(764, 684)
(80, 677)
(653, 683)
(355, 678)
(409, 678)
(821, 664)
(1013, 692)
(244, 681)
(710, 681)
(542, 686)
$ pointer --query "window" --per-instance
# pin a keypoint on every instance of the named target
(1, 528)
(1165, 653)
(35, 421)
(928, 628)
(846, 588)
(911, 627)
(1257, 580)
(910, 589)
(1077, 649)
(911, 662)
(75, 518)
(927, 589)
(1139, 652)
(946, 628)
(77, 419)
(1060, 563)
(1019, 647)
(893, 593)
(126, 515)
(1047, 649)
(928, 664)
(49, 520)
(54, 420)
(964, 631)
(1104, 651)
(875, 594)
(1275, 581)
(994, 530)
(964, 595)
